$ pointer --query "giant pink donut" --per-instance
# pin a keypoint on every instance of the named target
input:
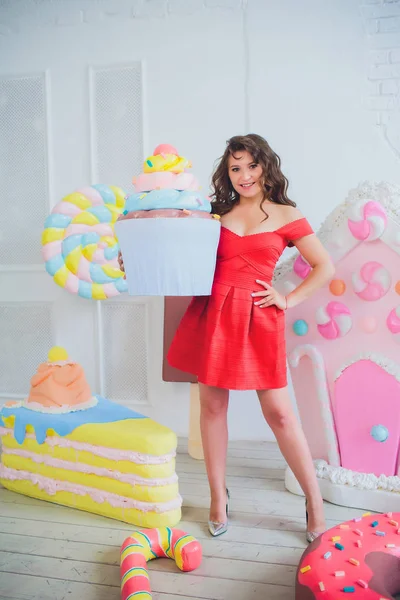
(369, 220)
(334, 320)
(372, 281)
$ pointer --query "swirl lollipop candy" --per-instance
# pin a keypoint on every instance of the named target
(79, 245)
(372, 281)
(368, 221)
(333, 320)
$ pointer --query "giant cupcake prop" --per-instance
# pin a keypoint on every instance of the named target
(167, 235)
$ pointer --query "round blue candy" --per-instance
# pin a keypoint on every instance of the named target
(300, 327)
(380, 433)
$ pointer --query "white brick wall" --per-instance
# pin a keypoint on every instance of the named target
(382, 26)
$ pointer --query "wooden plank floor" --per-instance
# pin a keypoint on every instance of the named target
(48, 552)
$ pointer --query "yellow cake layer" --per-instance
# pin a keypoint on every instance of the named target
(70, 454)
(137, 435)
(138, 492)
(129, 515)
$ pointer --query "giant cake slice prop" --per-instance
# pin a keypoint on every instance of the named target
(167, 235)
(64, 445)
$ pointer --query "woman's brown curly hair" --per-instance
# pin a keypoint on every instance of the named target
(275, 184)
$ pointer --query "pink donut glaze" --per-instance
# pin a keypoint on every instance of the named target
(372, 224)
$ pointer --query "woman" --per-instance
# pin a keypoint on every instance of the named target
(235, 338)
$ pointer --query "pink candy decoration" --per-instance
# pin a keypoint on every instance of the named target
(165, 149)
(369, 221)
(301, 268)
(393, 321)
(334, 320)
(369, 324)
(372, 282)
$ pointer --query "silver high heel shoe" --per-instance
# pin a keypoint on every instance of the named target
(311, 535)
(216, 528)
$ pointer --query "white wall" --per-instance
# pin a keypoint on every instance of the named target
(320, 80)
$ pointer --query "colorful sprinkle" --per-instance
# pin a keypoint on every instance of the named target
(398, 532)
(343, 527)
(349, 589)
(390, 545)
(125, 212)
(339, 546)
(381, 533)
(321, 587)
(359, 544)
(389, 514)
(305, 569)
(339, 573)
(362, 583)
(374, 523)
(149, 163)
(354, 562)
(367, 514)
(358, 532)
(336, 538)
(142, 196)
(327, 555)
(357, 519)
(392, 522)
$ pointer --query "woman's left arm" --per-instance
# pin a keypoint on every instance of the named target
(322, 269)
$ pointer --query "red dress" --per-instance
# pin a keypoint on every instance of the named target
(224, 339)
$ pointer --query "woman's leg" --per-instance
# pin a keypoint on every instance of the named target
(279, 414)
(214, 435)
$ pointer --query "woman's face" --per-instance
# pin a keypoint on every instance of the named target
(245, 174)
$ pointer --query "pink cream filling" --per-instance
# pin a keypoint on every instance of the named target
(91, 470)
(52, 486)
(110, 453)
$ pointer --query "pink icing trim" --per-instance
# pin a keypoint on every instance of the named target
(176, 181)
(52, 486)
(103, 452)
(91, 470)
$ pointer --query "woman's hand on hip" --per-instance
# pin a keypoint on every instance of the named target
(269, 296)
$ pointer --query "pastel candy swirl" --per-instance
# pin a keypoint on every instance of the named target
(334, 320)
(369, 220)
(372, 282)
(79, 245)
(147, 182)
(393, 323)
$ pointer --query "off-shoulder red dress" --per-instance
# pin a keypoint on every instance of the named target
(224, 339)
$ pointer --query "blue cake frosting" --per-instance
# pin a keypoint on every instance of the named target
(168, 198)
(65, 423)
